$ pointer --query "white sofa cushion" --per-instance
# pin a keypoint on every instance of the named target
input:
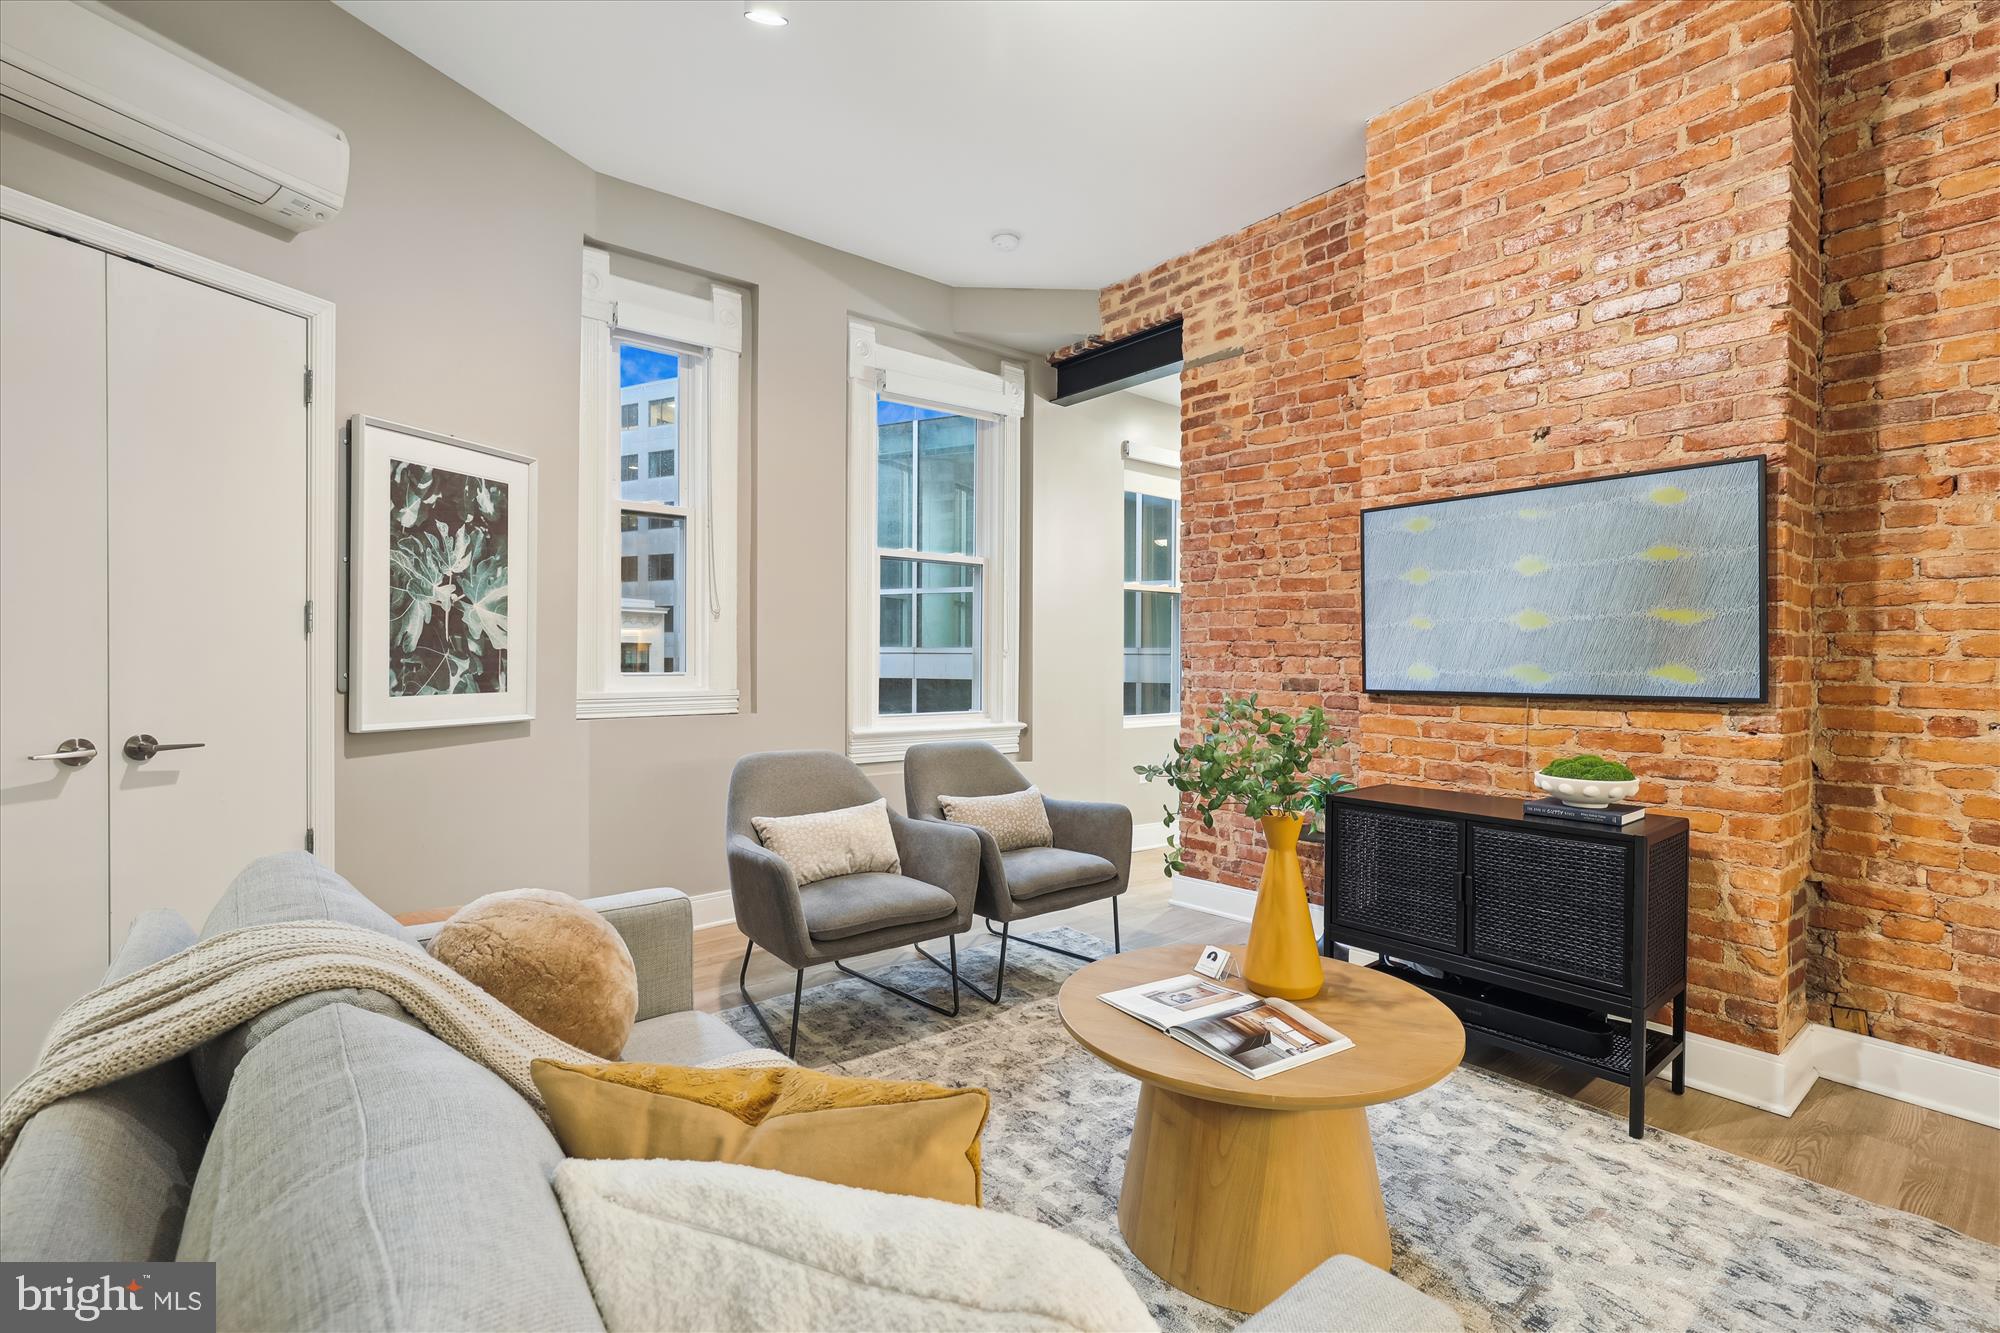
(710, 1245)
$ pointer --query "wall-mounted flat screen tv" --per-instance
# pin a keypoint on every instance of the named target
(1648, 586)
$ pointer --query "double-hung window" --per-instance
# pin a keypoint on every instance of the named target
(935, 517)
(1152, 684)
(656, 604)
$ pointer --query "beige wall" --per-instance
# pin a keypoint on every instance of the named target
(1080, 745)
(454, 268)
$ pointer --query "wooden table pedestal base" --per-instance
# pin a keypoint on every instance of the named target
(1234, 1204)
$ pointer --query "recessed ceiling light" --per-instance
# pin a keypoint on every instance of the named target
(1006, 241)
(765, 15)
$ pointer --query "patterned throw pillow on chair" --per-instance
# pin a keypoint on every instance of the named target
(1016, 819)
(833, 842)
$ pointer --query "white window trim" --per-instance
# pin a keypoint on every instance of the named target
(1160, 476)
(712, 326)
(874, 370)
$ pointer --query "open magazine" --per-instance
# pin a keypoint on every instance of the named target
(1253, 1035)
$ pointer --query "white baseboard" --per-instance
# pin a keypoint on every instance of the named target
(1776, 1083)
(1150, 836)
(713, 909)
(1225, 900)
(1922, 1078)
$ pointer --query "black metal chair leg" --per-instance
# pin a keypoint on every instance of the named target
(1056, 948)
(798, 995)
(1117, 945)
(999, 975)
(916, 999)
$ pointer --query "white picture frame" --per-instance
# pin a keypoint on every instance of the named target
(442, 547)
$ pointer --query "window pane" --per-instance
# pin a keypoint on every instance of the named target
(649, 390)
(649, 608)
(894, 473)
(947, 515)
(1131, 537)
(929, 647)
(896, 618)
(1152, 653)
(1156, 539)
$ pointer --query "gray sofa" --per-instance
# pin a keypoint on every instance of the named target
(346, 1170)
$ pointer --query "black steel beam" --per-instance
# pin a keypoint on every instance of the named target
(1147, 355)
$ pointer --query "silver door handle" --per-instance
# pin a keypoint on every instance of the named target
(73, 753)
(142, 747)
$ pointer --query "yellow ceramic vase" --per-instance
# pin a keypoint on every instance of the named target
(1283, 957)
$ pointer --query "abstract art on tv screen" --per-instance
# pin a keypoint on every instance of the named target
(1648, 586)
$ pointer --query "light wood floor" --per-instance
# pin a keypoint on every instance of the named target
(1904, 1156)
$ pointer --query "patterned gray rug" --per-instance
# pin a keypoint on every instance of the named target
(1521, 1209)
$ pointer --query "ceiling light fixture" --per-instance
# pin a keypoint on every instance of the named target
(1006, 242)
(765, 16)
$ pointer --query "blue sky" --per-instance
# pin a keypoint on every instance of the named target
(886, 412)
(642, 365)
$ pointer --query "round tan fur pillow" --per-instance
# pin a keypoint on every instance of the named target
(551, 960)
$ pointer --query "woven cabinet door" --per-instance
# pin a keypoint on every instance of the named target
(1399, 875)
(1554, 904)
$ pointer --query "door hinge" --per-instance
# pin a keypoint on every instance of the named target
(309, 386)
(309, 839)
(309, 617)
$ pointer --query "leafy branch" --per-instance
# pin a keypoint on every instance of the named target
(1254, 757)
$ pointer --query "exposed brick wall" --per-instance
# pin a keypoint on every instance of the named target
(1604, 252)
(1906, 927)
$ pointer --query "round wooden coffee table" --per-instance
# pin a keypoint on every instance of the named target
(1235, 1188)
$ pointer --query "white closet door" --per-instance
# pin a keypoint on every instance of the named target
(54, 909)
(207, 578)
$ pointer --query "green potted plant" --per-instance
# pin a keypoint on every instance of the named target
(1260, 760)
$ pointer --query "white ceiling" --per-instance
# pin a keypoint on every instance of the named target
(1111, 134)
(1166, 389)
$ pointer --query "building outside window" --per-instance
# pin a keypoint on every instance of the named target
(926, 502)
(657, 547)
(1152, 685)
(654, 537)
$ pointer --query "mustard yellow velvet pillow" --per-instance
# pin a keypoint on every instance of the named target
(899, 1138)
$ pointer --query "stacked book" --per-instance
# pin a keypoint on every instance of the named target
(1616, 816)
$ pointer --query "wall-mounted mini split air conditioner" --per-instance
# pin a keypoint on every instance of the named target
(94, 77)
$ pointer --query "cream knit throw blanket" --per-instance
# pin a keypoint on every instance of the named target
(173, 1006)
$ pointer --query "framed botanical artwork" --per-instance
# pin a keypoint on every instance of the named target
(441, 548)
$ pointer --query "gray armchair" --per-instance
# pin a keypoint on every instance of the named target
(848, 915)
(1090, 861)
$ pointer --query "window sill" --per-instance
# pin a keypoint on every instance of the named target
(1152, 721)
(656, 703)
(886, 744)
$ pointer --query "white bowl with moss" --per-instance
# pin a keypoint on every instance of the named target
(1597, 786)
(1585, 793)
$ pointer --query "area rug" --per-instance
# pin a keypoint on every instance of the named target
(1520, 1209)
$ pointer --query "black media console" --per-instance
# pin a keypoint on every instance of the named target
(1554, 939)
